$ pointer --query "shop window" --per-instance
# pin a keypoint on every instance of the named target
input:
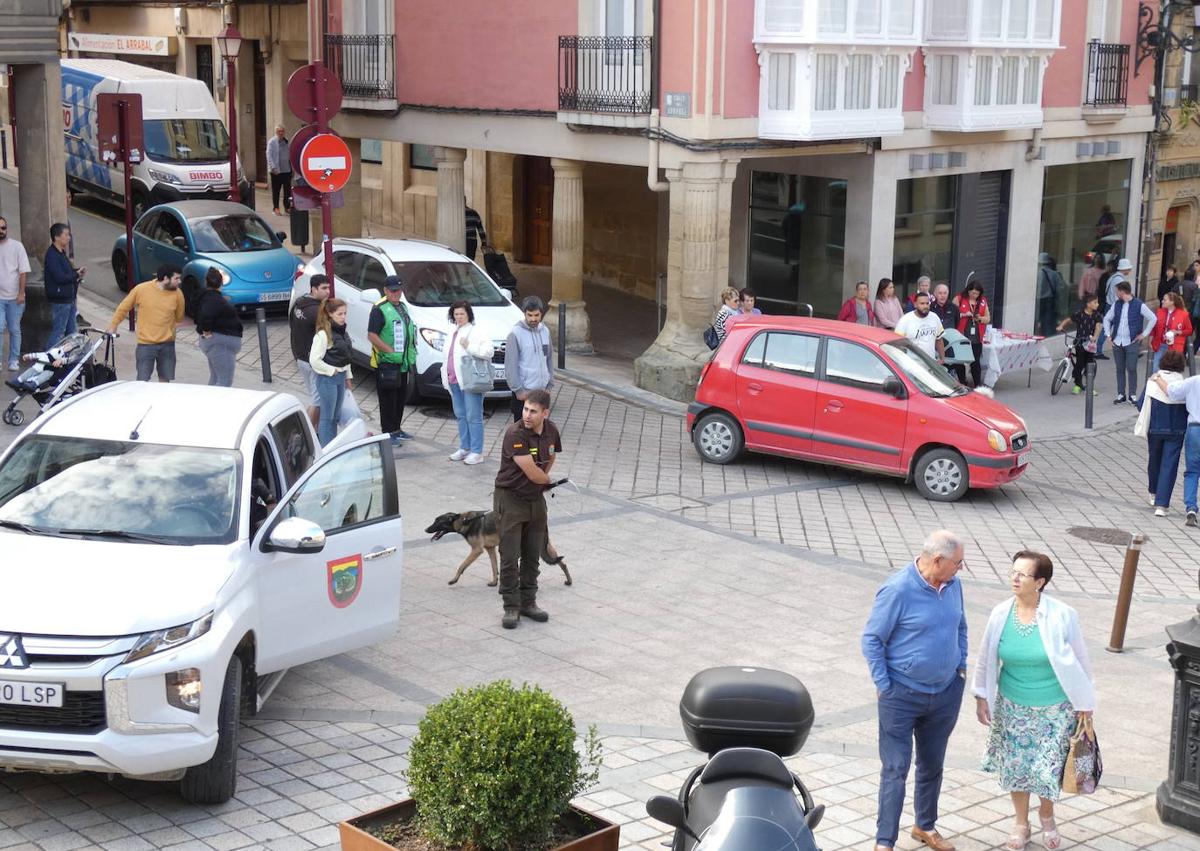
(797, 242)
(924, 236)
(372, 151)
(421, 156)
(1085, 209)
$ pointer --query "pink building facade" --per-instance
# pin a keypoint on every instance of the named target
(793, 146)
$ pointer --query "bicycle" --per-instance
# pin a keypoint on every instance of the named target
(1065, 367)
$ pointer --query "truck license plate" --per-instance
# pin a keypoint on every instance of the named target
(31, 694)
(283, 296)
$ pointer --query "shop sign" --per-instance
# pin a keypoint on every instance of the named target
(1179, 171)
(145, 45)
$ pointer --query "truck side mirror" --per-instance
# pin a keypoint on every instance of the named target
(296, 535)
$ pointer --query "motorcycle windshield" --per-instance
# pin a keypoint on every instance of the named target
(759, 818)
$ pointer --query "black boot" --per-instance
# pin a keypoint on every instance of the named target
(531, 611)
(512, 617)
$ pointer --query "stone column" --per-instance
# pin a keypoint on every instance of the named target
(697, 270)
(567, 258)
(451, 213)
(42, 194)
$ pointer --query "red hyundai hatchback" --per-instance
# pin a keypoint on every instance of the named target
(853, 396)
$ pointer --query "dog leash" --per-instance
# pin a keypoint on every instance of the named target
(578, 501)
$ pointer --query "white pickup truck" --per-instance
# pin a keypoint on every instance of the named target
(169, 551)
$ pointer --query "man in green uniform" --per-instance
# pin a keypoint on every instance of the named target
(527, 453)
(394, 350)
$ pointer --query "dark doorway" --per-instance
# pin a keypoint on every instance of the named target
(981, 238)
(260, 114)
(204, 65)
(538, 198)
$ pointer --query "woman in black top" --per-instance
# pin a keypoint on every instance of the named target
(1086, 321)
(220, 331)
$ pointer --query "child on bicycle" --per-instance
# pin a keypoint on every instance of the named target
(1087, 326)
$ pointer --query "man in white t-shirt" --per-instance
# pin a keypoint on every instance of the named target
(923, 328)
(14, 266)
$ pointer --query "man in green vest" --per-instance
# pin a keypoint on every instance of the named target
(394, 350)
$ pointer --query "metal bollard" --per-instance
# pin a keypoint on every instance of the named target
(3, 148)
(562, 335)
(1089, 401)
(1191, 357)
(1116, 643)
(264, 352)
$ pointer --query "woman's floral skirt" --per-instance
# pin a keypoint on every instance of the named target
(1028, 745)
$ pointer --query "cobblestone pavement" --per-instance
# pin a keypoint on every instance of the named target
(678, 566)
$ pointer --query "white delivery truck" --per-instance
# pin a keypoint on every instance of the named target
(186, 144)
(180, 547)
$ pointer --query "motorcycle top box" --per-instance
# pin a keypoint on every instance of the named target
(734, 707)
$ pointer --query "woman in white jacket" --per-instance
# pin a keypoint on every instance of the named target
(1033, 681)
(465, 342)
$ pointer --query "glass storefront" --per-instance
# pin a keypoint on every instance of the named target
(797, 242)
(924, 240)
(1084, 210)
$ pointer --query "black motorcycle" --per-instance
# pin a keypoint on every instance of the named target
(744, 798)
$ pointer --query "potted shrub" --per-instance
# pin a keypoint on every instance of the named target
(493, 768)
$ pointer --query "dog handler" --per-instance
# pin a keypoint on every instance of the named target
(526, 456)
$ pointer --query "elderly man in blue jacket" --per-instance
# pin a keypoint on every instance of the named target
(915, 643)
(62, 281)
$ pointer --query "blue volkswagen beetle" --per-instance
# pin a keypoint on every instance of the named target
(200, 235)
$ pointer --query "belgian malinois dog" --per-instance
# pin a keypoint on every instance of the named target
(480, 530)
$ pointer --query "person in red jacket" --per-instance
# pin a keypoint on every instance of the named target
(974, 315)
(1172, 329)
(858, 309)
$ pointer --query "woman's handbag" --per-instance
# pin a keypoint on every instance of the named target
(710, 337)
(1082, 770)
(476, 375)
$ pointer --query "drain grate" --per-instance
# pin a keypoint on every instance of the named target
(1101, 535)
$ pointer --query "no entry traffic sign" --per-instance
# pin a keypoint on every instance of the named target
(325, 162)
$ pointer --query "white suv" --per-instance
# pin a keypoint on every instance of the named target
(434, 277)
(178, 548)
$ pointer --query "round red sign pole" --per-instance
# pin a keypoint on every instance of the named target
(326, 212)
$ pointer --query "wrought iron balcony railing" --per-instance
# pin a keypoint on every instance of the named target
(1108, 74)
(366, 64)
(605, 74)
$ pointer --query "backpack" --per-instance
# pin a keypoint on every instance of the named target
(710, 337)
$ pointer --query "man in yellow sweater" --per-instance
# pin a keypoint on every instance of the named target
(159, 306)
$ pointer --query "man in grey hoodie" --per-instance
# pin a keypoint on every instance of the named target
(528, 358)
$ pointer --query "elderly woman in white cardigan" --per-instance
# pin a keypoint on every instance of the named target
(1033, 681)
(464, 342)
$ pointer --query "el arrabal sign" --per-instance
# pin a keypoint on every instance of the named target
(1178, 171)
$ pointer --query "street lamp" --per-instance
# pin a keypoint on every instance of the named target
(230, 44)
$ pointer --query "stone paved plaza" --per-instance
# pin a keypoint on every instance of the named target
(679, 566)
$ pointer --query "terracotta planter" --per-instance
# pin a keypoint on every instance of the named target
(354, 838)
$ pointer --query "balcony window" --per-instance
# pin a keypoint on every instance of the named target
(364, 63)
(944, 80)
(605, 74)
(868, 20)
(1008, 82)
(949, 19)
(993, 22)
(1108, 75)
(825, 82)
(1003, 89)
(783, 16)
(833, 16)
(783, 79)
(837, 21)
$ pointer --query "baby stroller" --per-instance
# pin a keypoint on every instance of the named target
(496, 265)
(64, 370)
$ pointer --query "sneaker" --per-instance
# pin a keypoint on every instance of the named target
(1159, 511)
(14, 366)
(396, 441)
(402, 435)
(458, 454)
(1134, 402)
(1076, 390)
(1121, 398)
(473, 458)
(276, 211)
(1191, 518)
(534, 613)
(511, 618)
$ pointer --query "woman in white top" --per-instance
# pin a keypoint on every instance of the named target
(465, 342)
(330, 359)
(1033, 681)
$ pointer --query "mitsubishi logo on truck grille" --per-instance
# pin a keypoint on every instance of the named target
(12, 654)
